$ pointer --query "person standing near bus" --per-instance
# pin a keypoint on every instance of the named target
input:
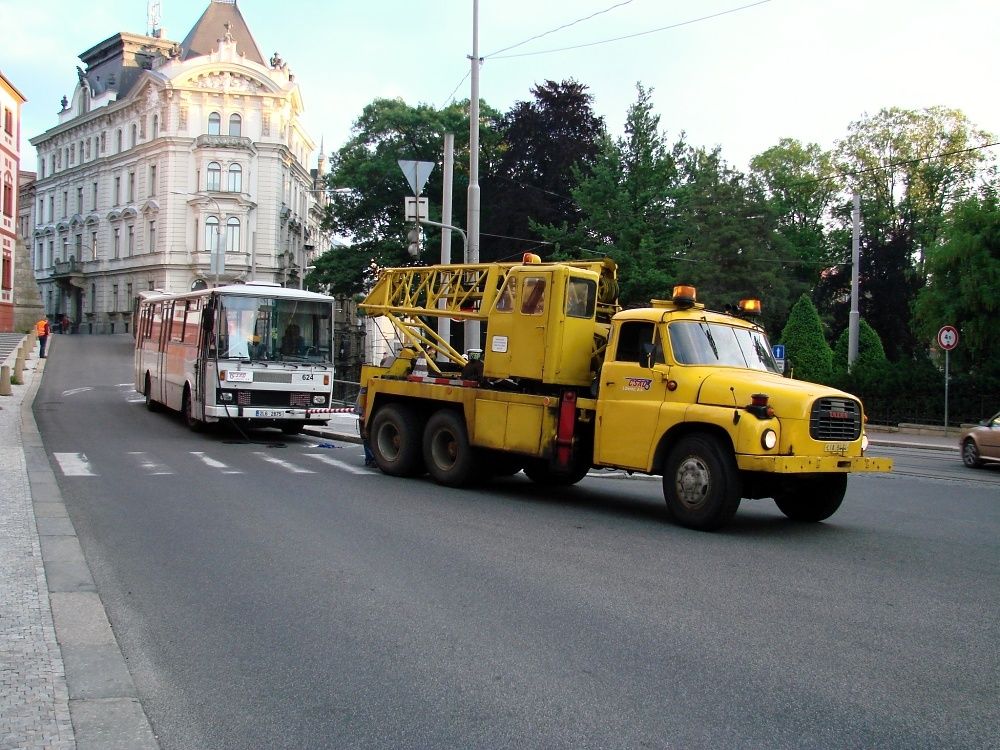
(44, 330)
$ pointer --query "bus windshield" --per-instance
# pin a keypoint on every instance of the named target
(703, 343)
(269, 329)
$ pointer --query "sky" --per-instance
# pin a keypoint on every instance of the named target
(754, 73)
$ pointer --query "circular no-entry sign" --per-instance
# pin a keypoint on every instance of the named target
(947, 338)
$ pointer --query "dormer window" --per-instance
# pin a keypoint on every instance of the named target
(214, 124)
(235, 125)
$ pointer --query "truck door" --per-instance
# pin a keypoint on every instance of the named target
(631, 392)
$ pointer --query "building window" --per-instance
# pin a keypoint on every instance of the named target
(117, 245)
(93, 297)
(79, 200)
(72, 155)
(8, 196)
(212, 234)
(65, 249)
(104, 142)
(128, 294)
(235, 178)
(152, 180)
(152, 237)
(156, 125)
(93, 197)
(131, 240)
(41, 168)
(78, 255)
(118, 190)
(52, 253)
(233, 235)
(93, 245)
(114, 298)
(214, 176)
(88, 148)
(235, 125)
(65, 203)
(52, 208)
(118, 141)
(131, 187)
(214, 124)
(132, 140)
(8, 122)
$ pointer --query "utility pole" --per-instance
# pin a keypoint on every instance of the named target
(472, 333)
(444, 324)
(855, 316)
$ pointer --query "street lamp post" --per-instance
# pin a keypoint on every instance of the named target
(218, 260)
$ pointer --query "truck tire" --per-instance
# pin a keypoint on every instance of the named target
(449, 457)
(701, 484)
(815, 498)
(394, 438)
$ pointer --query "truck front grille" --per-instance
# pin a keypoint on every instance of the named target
(835, 419)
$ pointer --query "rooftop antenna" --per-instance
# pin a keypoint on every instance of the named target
(153, 18)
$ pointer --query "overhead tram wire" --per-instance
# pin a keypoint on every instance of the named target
(558, 28)
(497, 56)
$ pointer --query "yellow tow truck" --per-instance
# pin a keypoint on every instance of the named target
(568, 382)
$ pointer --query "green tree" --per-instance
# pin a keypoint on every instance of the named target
(541, 141)
(964, 285)
(805, 343)
(366, 187)
(871, 364)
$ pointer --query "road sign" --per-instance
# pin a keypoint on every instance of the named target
(416, 173)
(778, 351)
(947, 338)
(414, 209)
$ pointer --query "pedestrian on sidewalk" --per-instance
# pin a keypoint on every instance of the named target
(44, 330)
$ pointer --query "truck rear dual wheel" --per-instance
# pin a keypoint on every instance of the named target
(395, 440)
(449, 457)
(701, 484)
(813, 498)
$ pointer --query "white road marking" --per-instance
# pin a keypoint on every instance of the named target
(151, 466)
(74, 464)
(74, 391)
(208, 461)
(126, 385)
(350, 468)
(136, 400)
(283, 464)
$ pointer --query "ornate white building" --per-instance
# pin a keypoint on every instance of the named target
(166, 158)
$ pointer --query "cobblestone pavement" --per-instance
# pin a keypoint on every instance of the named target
(34, 700)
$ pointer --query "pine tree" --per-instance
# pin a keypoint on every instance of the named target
(805, 343)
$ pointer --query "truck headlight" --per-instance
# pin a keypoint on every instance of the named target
(864, 442)
(769, 439)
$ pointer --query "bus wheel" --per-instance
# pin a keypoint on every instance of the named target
(395, 438)
(813, 498)
(147, 391)
(295, 428)
(449, 457)
(701, 483)
(187, 410)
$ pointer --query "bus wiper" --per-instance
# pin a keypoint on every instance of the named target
(711, 340)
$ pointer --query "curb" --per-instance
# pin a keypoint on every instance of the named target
(103, 703)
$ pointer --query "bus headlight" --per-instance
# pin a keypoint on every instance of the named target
(319, 400)
(769, 439)
(226, 396)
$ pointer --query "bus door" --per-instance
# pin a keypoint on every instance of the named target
(206, 347)
(159, 328)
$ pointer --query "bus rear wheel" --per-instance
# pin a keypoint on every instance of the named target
(450, 459)
(395, 440)
(187, 411)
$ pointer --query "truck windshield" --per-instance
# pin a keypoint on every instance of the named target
(704, 343)
(269, 329)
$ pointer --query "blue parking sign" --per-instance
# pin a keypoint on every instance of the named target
(778, 350)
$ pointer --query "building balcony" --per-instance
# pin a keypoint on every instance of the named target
(224, 141)
(64, 268)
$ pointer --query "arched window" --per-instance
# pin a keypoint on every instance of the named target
(156, 125)
(212, 234)
(214, 176)
(132, 133)
(235, 178)
(214, 123)
(118, 141)
(235, 125)
(233, 236)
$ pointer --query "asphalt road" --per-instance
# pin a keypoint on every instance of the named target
(274, 593)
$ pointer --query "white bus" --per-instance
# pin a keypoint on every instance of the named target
(258, 354)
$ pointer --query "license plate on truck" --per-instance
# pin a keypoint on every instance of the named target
(268, 413)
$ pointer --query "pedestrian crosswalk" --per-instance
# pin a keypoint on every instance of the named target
(310, 461)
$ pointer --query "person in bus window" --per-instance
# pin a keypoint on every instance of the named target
(292, 342)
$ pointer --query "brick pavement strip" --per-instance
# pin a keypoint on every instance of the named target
(34, 699)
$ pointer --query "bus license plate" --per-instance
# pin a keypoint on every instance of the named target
(268, 413)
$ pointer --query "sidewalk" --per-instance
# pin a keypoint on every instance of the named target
(64, 683)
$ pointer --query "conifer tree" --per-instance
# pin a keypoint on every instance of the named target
(805, 344)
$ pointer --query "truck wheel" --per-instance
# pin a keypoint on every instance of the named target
(813, 498)
(447, 453)
(394, 438)
(701, 483)
(187, 410)
(970, 454)
(147, 391)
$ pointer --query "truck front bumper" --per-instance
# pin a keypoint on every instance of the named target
(812, 464)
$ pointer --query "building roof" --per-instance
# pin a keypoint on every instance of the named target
(219, 17)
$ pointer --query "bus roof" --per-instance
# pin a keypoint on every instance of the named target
(249, 289)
